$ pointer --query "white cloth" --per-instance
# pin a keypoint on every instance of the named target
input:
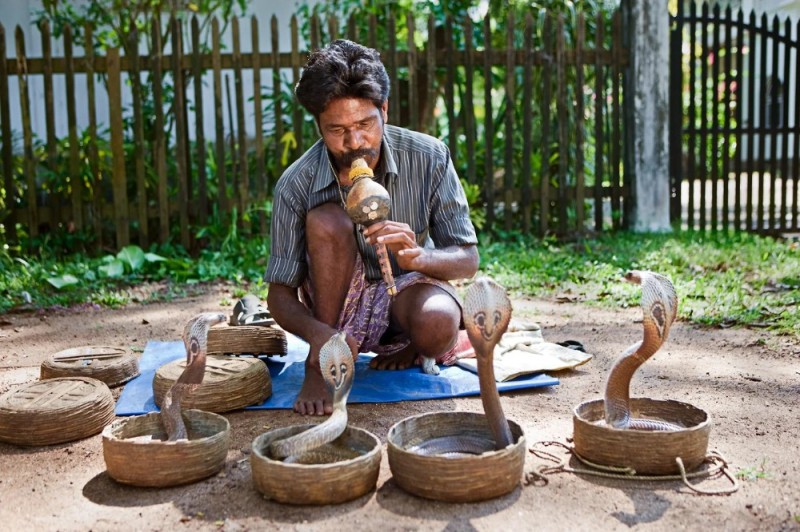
(523, 350)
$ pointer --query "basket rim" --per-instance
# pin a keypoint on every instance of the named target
(258, 440)
(108, 430)
(458, 413)
(121, 350)
(698, 427)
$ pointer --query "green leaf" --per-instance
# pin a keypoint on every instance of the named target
(152, 257)
(289, 143)
(133, 256)
(62, 281)
(113, 269)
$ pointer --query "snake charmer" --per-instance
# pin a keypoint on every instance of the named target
(323, 271)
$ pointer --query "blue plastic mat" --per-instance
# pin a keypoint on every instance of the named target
(287, 374)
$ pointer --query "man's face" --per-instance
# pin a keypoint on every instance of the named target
(353, 128)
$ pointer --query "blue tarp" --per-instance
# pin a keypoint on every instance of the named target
(287, 372)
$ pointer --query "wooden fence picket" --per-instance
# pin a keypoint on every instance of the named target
(118, 178)
(526, 155)
(5, 134)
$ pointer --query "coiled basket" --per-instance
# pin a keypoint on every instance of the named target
(136, 451)
(643, 452)
(454, 479)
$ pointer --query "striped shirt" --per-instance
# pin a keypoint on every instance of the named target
(416, 170)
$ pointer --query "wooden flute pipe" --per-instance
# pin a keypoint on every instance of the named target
(368, 202)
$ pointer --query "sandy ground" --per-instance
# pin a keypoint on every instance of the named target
(747, 380)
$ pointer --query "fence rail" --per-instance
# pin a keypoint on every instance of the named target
(537, 129)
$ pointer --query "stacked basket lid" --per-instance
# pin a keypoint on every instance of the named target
(246, 339)
(71, 400)
(112, 365)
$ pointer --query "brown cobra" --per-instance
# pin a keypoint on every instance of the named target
(310, 446)
(487, 312)
(660, 306)
(195, 338)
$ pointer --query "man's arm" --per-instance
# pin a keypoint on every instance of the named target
(294, 317)
(447, 264)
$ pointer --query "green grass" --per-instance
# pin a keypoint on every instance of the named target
(39, 282)
(753, 473)
(721, 280)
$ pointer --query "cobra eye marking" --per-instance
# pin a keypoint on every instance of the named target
(659, 315)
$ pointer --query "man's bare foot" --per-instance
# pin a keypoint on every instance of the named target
(403, 359)
(314, 398)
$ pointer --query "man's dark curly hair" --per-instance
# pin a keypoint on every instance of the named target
(342, 69)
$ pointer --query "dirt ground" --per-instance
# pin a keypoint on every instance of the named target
(747, 380)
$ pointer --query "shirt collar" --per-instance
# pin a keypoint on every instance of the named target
(387, 155)
(324, 175)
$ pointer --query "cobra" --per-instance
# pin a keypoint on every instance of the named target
(195, 339)
(310, 446)
(487, 312)
(660, 306)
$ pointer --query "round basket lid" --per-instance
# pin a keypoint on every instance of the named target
(55, 411)
(112, 365)
(228, 384)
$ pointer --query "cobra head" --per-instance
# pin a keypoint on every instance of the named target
(487, 312)
(195, 339)
(634, 276)
(659, 298)
(336, 363)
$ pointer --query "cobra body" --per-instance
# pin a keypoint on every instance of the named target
(660, 306)
(336, 363)
(195, 339)
(487, 312)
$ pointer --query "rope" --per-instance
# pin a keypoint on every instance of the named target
(539, 476)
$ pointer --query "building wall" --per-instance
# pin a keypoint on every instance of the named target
(22, 13)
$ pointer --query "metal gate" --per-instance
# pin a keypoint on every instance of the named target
(734, 120)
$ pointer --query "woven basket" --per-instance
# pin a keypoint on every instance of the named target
(135, 451)
(460, 479)
(646, 452)
(112, 365)
(319, 483)
(247, 339)
(55, 411)
(228, 384)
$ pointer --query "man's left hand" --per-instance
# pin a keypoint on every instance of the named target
(400, 240)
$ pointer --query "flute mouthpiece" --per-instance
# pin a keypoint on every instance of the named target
(359, 168)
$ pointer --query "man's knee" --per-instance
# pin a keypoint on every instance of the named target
(434, 327)
(328, 224)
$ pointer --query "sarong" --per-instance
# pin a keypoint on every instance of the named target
(365, 314)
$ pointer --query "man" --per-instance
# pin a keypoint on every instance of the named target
(323, 272)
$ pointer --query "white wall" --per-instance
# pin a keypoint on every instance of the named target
(22, 13)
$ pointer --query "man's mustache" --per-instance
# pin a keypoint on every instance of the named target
(369, 154)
